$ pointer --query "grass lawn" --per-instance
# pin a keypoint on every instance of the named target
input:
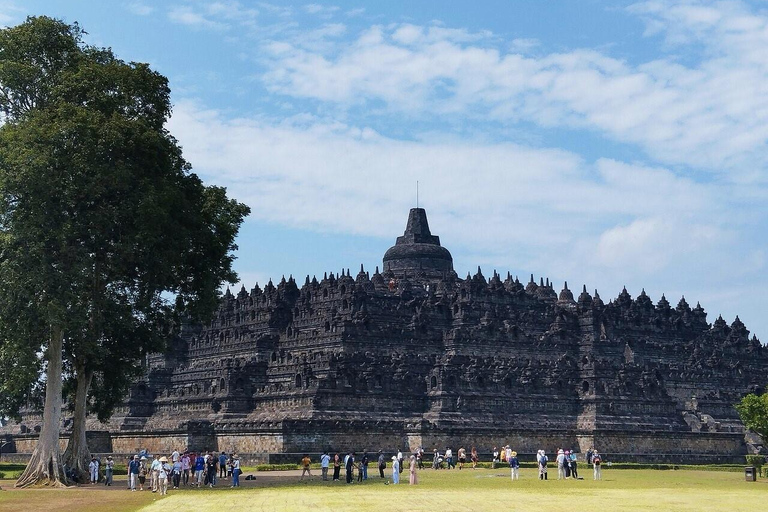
(441, 491)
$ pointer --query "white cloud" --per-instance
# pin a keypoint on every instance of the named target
(711, 115)
(219, 15)
(140, 9)
(323, 11)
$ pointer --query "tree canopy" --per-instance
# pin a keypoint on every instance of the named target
(753, 411)
(106, 235)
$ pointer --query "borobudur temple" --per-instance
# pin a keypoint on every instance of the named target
(414, 356)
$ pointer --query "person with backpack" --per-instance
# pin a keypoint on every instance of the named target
(597, 462)
(542, 459)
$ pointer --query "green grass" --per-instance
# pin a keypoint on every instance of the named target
(441, 491)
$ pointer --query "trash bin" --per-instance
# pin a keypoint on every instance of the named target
(750, 474)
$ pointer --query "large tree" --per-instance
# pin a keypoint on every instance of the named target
(753, 411)
(106, 235)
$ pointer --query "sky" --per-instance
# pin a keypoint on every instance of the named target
(609, 144)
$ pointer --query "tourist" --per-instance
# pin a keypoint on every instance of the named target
(449, 458)
(382, 464)
(305, 463)
(541, 460)
(567, 464)
(175, 456)
(162, 476)
(93, 470)
(109, 468)
(597, 463)
(572, 461)
(413, 479)
(495, 457)
(199, 469)
(462, 457)
(473, 455)
(210, 470)
(336, 467)
(223, 465)
(364, 466)
(235, 470)
(176, 473)
(154, 469)
(133, 472)
(514, 466)
(507, 452)
(589, 456)
(186, 464)
(420, 458)
(395, 470)
(435, 459)
(325, 461)
(143, 471)
(349, 467)
(560, 464)
(400, 461)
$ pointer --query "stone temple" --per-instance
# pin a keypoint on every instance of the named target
(414, 356)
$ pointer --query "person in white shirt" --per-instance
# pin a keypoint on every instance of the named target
(93, 469)
(449, 458)
(560, 464)
(325, 461)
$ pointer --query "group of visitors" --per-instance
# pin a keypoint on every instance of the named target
(447, 458)
(567, 466)
(353, 465)
(189, 469)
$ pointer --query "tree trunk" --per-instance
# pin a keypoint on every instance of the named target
(77, 455)
(45, 466)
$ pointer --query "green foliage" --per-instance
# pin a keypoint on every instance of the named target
(104, 230)
(753, 411)
(756, 461)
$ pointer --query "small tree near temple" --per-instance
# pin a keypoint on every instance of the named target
(106, 235)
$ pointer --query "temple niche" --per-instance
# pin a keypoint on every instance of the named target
(412, 355)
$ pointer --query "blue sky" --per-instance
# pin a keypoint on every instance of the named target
(602, 143)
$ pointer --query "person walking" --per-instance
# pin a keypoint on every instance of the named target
(186, 464)
(413, 478)
(133, 472)
(597, 462)
(400, 461)
(325, 461)
(176, 473)
(395, 470)
(305, 464)
(473, 455)
(574, 469)
(199, 469)
(462, 457)
(336, 467)
(143, 472)
(448, 456)
(514, 466)
(109, 468)
(154, 469)
(495, 457)
(162, 476)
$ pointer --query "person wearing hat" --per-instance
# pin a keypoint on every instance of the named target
(162, 475)
(93, 469)
(133, 472)
(154, 469)
(109, 468)
(395, 470)
(235, 470)
(514, 465)
(560, 464)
